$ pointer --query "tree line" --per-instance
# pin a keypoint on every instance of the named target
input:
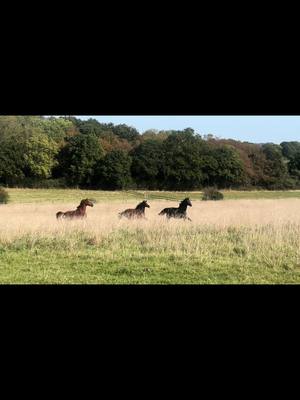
(36, 151)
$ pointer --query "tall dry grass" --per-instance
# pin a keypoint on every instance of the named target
(272, 219)
(39, 219)
(261, 238)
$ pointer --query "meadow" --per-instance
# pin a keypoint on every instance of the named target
(70, 195)
(250, 237)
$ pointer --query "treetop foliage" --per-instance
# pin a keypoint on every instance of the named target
(68, 151)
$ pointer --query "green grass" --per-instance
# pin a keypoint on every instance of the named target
(73, 195)
(190, 254)
(261, 194)
(196, 256)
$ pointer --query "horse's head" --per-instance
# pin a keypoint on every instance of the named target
(86, 202)
(187, 201)
(143, 204)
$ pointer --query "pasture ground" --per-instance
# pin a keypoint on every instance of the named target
(250, 237)
(72, 195)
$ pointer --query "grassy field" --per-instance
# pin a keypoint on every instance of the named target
(73, 195)
(252, 237)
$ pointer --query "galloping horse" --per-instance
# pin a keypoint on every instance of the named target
(138, 212)
(79, 213)
(179, 212)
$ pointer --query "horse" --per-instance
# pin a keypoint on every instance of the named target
(137, 212)
(179, 212)
(79, 213)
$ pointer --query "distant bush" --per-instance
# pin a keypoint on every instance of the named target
(212, 194)
(4, 196)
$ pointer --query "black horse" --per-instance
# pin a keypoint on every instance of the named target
(179, 212)
(138, 212)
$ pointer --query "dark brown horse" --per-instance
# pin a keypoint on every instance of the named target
(179, 212)
(138, 212)
(79, 213)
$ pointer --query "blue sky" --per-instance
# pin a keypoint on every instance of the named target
(256, 129)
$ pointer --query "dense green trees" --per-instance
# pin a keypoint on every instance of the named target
(57, 129)
(289, 149)
(147, 164)
(41, 151)
(228, 168)
(78, 159)
(184, 162)
(294, 166)
(275, 167)
(113, 171)
(11, 165)
(25, 152)
(126, 132)
(91, 126)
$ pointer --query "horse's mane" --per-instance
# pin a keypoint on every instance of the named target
(140, 205)
(82, 203)
(183, 202)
